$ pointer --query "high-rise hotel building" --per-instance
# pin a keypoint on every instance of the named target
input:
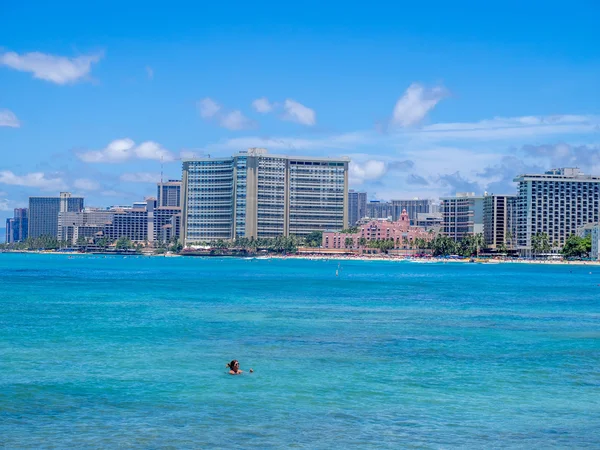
(255, 194)
(357, 206)
(499, 220)
(17, 227)
(557, 203)
(43, 213)
(462, 215)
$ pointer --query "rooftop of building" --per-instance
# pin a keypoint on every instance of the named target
(563, 173)
(264, 153)
(462, 196)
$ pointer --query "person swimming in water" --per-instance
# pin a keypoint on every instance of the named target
(234, 368)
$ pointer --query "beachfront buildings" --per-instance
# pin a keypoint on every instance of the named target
(401, 233)
(499, 220)
(43, 213)
(167, 212)
(357, 206)
(462, 215)
(17, 226)
(73, 227)
(255, 194)
(595, 253)
(143, 222)
(556, 203)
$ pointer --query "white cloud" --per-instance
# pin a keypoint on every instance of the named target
(5, 203)
(150, 72)
(232, 120)
(367, 171)
(262, 105)
(235, 120)
(208, 108)
(56, 69)
(152, 150)
(416, 102)
(8, 119)
(121, 150)
(85, 184)
(35, 179)
(297, 112)
(140, 177)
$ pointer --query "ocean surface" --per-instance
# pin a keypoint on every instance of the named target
(130, 352)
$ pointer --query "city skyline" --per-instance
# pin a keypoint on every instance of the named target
(420, 107)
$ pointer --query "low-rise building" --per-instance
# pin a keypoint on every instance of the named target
(400, 233)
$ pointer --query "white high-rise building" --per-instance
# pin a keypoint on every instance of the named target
(556, 203)
(255, 194)
(462, 215)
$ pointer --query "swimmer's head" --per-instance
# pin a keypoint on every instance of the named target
(234, 365)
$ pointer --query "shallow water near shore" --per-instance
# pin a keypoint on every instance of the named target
(104, 352)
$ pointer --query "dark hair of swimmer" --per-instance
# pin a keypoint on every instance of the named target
(234, 365)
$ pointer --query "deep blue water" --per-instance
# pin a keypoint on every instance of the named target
(131, 352)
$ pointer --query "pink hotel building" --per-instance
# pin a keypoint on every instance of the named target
(401, 232)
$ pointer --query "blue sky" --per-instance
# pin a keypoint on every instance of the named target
(427, 99)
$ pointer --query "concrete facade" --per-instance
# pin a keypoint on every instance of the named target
(498, 220)
(43, 213)
(462, 215)
(255, 194)
(557, 203)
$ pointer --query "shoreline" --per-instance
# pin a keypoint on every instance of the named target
(321, 257)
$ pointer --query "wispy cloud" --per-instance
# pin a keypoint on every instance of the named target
(140, 177)
(36, 179)
(150, 72)
(297, 112)
(85, 184)
(122, 150)
(235, 120)
(416, 180)
(262, 105)
(8, 119)
(416, 102)
(210, 110)
(512, 127)
(56, 69)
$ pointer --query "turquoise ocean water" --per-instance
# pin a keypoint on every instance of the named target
(131, 352)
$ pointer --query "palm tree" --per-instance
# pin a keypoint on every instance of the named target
(349, 242)
(509, 237)
(478, 242)
(540, 243)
